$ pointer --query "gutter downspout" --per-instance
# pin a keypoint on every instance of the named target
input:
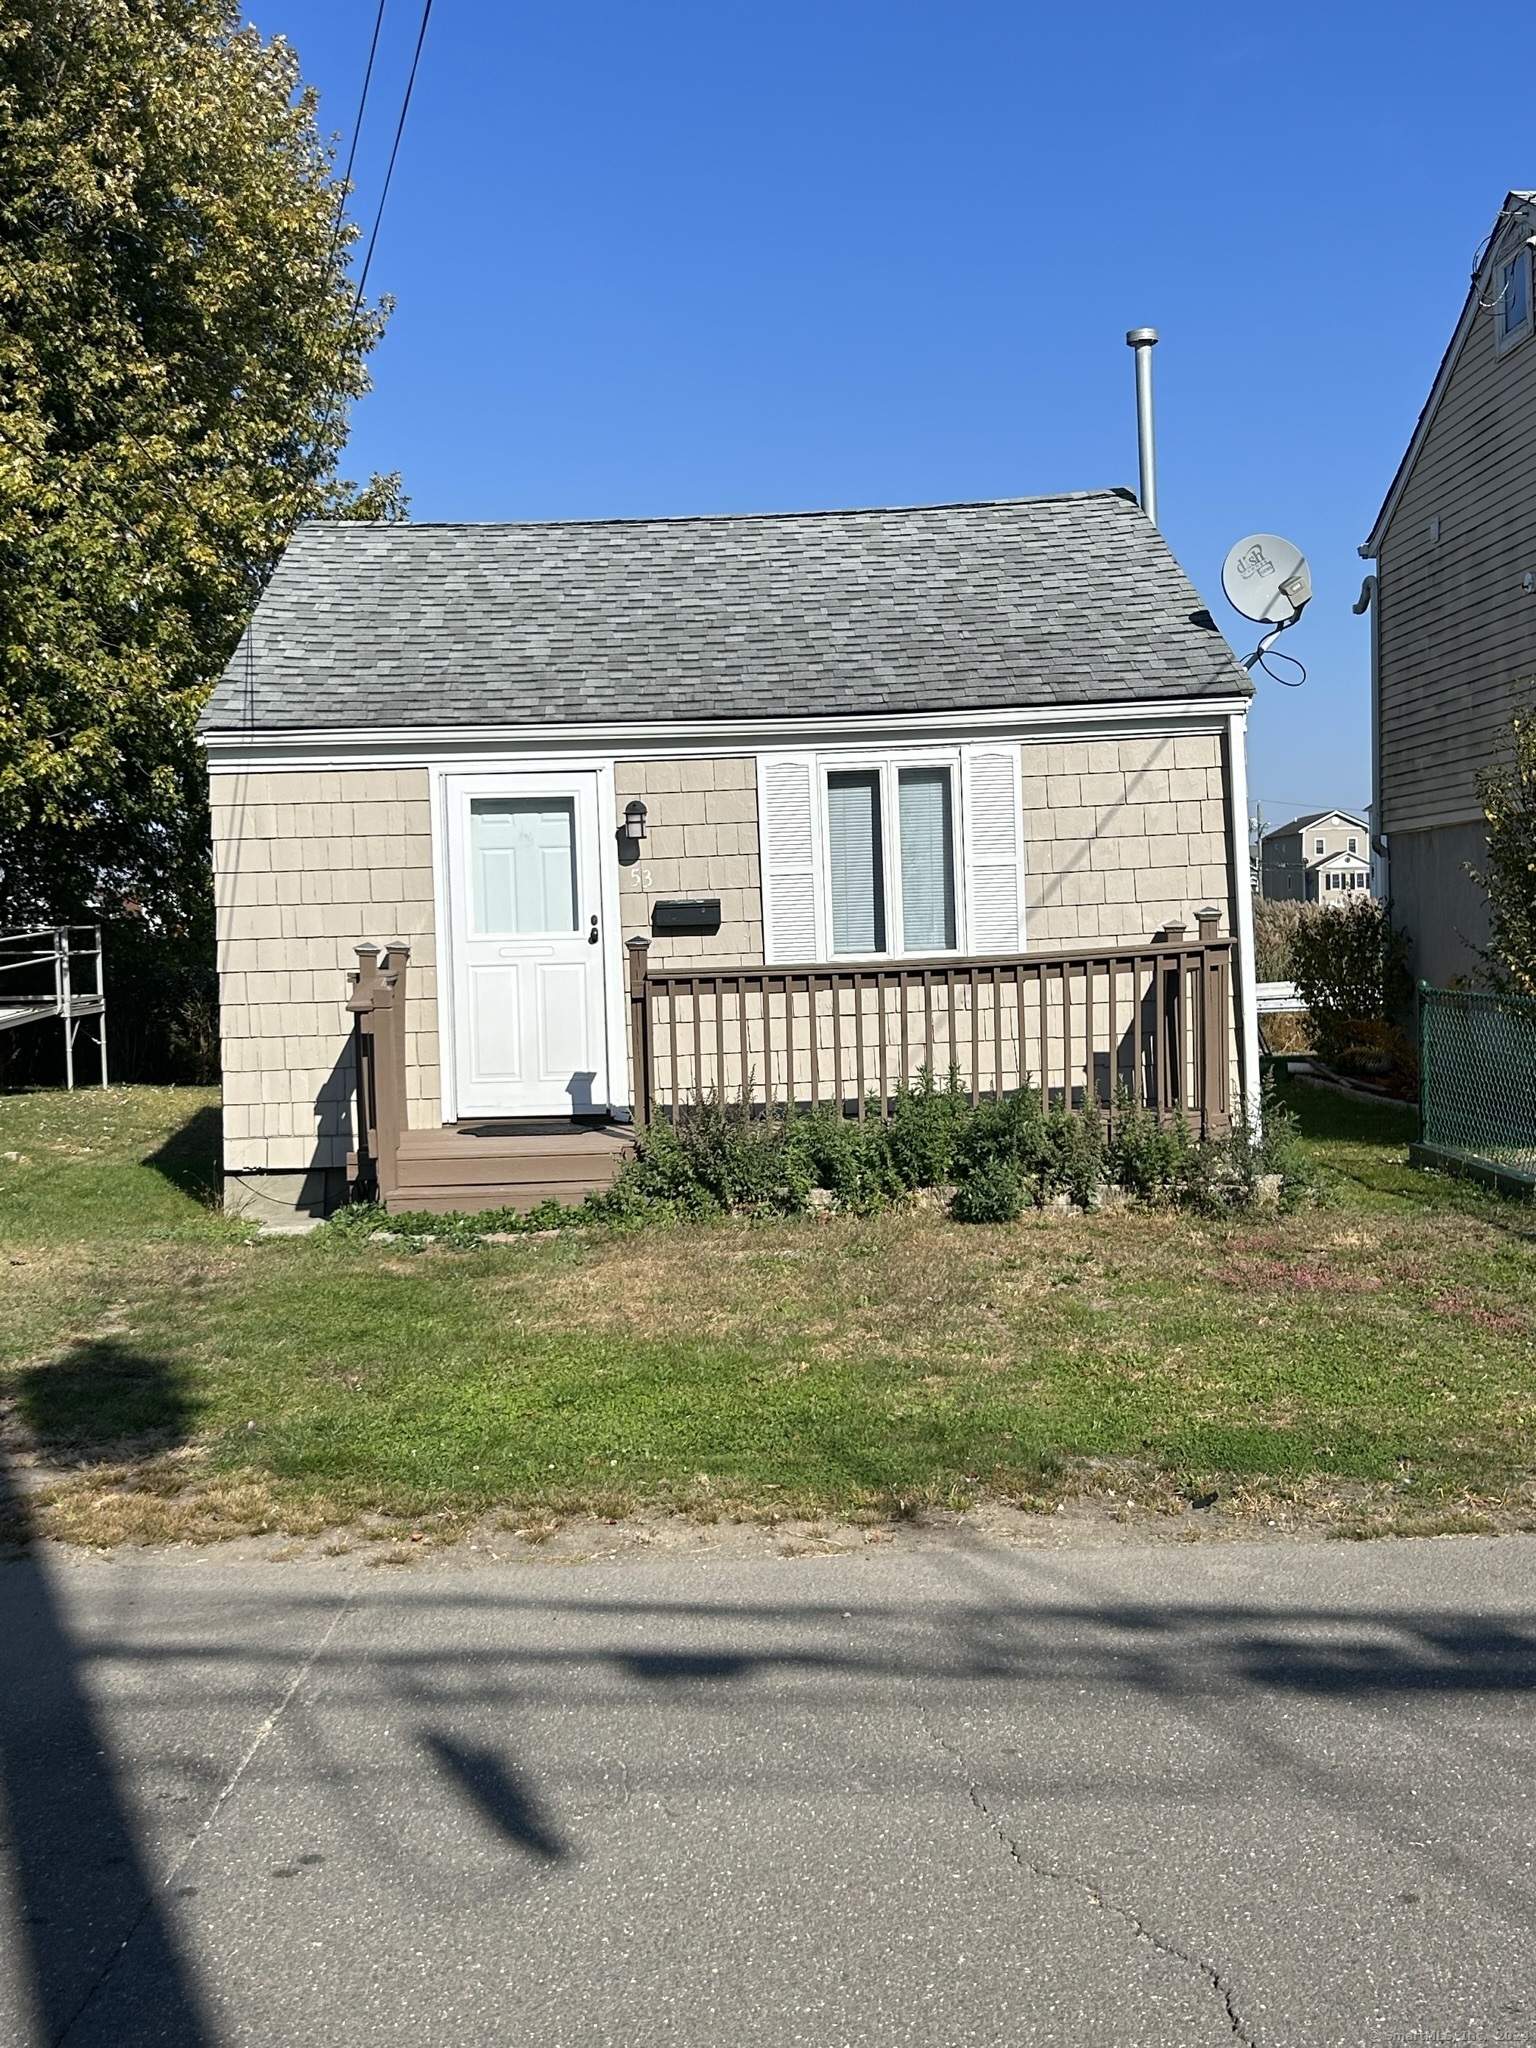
(1369, 600)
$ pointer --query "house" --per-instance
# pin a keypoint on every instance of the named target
(1453, 604)
(1322, 857)
(786, 806)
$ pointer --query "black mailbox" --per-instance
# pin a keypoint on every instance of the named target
(686, 914)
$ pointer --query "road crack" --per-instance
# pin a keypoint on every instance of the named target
(168, 1878)
(1103, 1902)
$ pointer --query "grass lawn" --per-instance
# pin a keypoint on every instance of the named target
(166, 1373)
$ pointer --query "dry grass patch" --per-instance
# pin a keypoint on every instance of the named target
(196, 1385)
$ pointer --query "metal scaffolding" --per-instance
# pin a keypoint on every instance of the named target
(54, 971)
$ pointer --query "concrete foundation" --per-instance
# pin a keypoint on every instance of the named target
(285, 1200)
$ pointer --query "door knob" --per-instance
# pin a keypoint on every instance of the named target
(592, 935)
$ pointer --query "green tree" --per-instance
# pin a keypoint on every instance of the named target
(1507, 793)
(179, 344)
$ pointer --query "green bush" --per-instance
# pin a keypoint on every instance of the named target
(1011, 1131)
(849, 1159)
(924, 1127)
(1222, 1175)
(1147, 1158)
(1001, 1157)
(993, 1193)
(720, 1156)
(1074, 1156)
(1350, 969)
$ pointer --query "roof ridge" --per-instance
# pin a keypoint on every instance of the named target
(717, 518)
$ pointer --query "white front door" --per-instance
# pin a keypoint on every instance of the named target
(530, 1035)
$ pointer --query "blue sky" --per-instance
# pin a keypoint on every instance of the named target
(667, 258)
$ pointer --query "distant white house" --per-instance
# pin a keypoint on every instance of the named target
(1324, 857)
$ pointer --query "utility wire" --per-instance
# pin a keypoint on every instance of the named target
(405, 108)
(357, 130)
(389, 173)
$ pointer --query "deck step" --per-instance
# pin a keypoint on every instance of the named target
(470, 1199)
(498, 1169)
(467, 1168)
(453, 1144)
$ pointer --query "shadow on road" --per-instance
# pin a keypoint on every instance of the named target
(80, 1884)
(499, 1794)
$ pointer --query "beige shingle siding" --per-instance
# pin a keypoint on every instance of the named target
(1457, 630)
(307, 866)
(702, 828)
(1121, 836)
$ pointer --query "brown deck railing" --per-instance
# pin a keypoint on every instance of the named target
(377, 1004)
(1153, 1026)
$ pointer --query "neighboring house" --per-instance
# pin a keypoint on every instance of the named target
(1320, 858)
(1454, 604)
(878, 747)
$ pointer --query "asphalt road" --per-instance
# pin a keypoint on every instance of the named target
(1278, 1794)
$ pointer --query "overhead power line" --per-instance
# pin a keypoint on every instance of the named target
(357, 130)
(405, 108)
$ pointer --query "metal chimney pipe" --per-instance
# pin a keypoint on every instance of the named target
(1144, 340)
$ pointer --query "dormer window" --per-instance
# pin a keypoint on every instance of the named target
(1512, 299)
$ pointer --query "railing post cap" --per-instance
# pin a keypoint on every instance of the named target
(640, 945)
(366, 947)
(1209, 914)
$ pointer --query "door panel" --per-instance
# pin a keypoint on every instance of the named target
(495, 998)
(530, 1031)
(564, 1048)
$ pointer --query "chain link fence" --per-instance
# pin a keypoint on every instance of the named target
(1477, 1077)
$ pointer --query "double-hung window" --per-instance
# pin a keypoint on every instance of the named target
(890, 858)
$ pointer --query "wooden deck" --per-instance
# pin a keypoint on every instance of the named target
(485, 1164)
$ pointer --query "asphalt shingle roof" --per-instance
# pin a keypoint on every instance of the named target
(1035, 601)
(1310, 818)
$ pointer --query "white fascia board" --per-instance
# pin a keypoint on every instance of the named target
(260, 752)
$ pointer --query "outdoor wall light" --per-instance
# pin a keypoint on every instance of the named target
(634, 821)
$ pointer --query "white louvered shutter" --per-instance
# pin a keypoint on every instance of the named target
(994, 849)
(787, 836)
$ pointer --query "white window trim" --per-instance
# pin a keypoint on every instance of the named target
(888, 766)
(1506, 339)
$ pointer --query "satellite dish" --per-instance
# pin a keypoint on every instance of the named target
(1267, 579)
